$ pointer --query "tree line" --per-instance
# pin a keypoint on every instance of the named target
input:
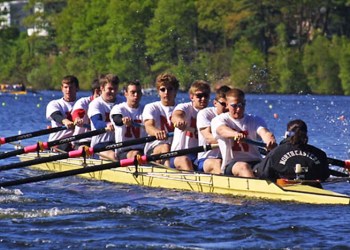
(261, 46)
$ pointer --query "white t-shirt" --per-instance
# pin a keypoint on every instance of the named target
(99, 106)
(65, 109)
(83, 103)
(162, 119)
(187, 138)
(123, 133)
(230, 149)
(204, 118)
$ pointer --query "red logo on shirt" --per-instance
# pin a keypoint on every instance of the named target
(164, 125)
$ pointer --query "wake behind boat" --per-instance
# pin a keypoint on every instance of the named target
(161, 177)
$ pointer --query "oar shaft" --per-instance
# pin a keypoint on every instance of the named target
(126, 143)
(78, 152)
(12, 153)
(4, 140)
(47, 145)
(59, 174)
(74, 138)
(121, 163)
(34, 161)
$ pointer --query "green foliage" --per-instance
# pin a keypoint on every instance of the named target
(172, 36)
(257, 45)
(248, 69)
(285, 65)
(320, 68)
(341, 54)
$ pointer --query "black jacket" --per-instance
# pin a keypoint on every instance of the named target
(281, 162)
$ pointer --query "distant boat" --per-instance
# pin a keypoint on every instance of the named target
(15, 89)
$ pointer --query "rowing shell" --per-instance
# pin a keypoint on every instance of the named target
(161, 177)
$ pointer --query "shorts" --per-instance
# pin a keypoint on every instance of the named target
(200, 164)
(193, 158)
(150, 150)
(122, 153)
(229, 166)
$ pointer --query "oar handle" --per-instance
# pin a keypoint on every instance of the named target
(4, 140)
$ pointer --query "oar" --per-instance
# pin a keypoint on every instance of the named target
(47, 145)
(80, 152)
(335, 162)
(4, 140)
(122, 163)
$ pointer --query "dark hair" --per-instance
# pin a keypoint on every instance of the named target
(70, 79)
(298, 132)
(221, 92)
(131, 83)
(95, 85)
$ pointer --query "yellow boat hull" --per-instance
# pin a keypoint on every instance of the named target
(160, 177)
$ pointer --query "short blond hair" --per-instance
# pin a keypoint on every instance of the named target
(199, 85)
(167, 79)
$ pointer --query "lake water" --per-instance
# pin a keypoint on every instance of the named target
(74, 213)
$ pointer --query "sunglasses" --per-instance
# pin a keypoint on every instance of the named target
(201, 95)
(237, 105)
(163, 89)
(221, 103)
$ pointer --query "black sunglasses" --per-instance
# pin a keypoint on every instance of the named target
(163, 89)
(221, 103)
(237, 105)
(201, 95)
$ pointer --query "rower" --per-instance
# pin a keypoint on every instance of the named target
(127, 120)
(156, 116)
(210, 161)
(79, 114)
(99, 110)
(59, 111)
(231, 128)
(184, 118)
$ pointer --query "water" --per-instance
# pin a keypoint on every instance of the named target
(74, 213)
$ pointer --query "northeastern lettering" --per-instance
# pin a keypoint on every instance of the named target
(290, 154)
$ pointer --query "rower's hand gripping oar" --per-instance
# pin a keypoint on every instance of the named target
(80, 152)
(46, 145)
(122, 163)
(335, 162)
(4, 140)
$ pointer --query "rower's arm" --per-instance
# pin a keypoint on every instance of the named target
(59, 118)
(178, 118)
(208, 136)
(152, 130)
(268, 138)
(227, 132)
